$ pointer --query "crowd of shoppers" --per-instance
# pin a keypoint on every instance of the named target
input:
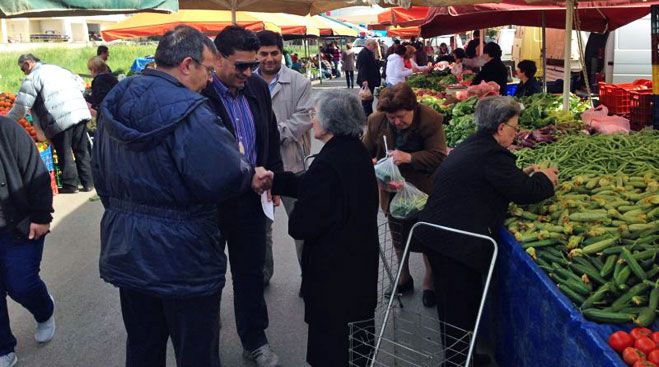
(184, 155)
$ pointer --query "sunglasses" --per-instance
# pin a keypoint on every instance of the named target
(244, 65)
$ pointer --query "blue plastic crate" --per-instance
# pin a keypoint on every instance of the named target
(511, 89)
(47, 158)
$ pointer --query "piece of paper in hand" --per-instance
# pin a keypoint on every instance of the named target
(268, 206)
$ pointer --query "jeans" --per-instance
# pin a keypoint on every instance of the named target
(269, 267)
(19, 278)
(242, 223)
(350, 78)
(70, 143)
(192, 323)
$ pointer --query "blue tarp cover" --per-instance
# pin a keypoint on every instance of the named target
(536, 325)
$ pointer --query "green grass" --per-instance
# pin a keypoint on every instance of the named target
(74, 59)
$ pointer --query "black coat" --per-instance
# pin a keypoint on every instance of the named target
(473, 187)
(532, 86)
(336, 216)
(494, 71)
(256, 90)
(25, 193)
(368, 68)
(101, 86)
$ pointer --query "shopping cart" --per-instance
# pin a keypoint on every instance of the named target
(406, 338)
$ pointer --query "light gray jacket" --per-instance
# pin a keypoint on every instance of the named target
(61, 92)
(291, 101)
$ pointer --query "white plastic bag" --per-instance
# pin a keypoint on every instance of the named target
(407, 202)
(388, 175)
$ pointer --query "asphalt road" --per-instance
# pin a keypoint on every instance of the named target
(90, 331)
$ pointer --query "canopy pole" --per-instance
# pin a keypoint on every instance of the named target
(567, 55)
(320, 64)
(544, 53)
(234, 8)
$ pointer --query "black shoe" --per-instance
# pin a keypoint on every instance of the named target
(402, 289)
(300, 294)
(87, 188)
(482, 360)
(68, 190)
(429, 299)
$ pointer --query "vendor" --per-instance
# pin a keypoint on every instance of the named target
(410, 60)
(416, 135)
(528, 85)
(494, 69)
(472, 191)
(102, 83)
(458, 56)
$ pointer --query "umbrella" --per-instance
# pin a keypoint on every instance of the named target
(456, 19)
(414, 15)
(209, 22)
(60, 8)
(330, 28)
(404, 32)
(298, 7)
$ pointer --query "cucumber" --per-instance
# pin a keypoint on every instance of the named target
(608, 266)
(606, 316)
(633, 264)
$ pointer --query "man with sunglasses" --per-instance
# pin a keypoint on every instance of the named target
(291, 101)
(242, 101)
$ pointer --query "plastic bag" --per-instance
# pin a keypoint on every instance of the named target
(407, 202)
(388, 175)
(599, 119)
(365, 94)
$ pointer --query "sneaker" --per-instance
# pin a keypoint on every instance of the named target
(263, 356)
(8, 360)
(46, 330)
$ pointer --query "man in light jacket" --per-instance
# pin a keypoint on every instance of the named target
(54, 95)
(291, 101)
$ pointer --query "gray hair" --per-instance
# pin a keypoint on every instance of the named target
(495, 110)
(181, 42)
(340, 113)
(27, 57)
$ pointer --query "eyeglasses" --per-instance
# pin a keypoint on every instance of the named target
(516, 128)
(312, 114)
(209, 69)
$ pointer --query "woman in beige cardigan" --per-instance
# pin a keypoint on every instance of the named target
(416, 135)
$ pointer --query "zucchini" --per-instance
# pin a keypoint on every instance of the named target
(588, 216)
(623, 301)
(623, 276)
(566, 274)
(612, 250)
(592, 274)
(597, 262)
(633, 264)
(576, 285)
(542, 243)
(607, 316)
(608, 266)
(596, 296)
(572, 295)
(600, 246)
(646, 317)
(654, 298)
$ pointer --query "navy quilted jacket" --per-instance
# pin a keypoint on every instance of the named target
(162, 162)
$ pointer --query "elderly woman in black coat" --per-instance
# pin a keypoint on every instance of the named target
(472, 191)
(336, 216)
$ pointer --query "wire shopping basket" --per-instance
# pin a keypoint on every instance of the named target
(405, 338)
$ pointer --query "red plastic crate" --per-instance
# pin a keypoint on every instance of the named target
(641, 104)
(617, 96)
(604, 97)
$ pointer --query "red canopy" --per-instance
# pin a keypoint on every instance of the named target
(404, 32)
(415, 15)
(594, 16)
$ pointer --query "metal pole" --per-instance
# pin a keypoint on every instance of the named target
(567, 55)
(234, 8)
(320, 64)
(544, 53)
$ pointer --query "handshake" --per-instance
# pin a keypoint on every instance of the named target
(262, 180)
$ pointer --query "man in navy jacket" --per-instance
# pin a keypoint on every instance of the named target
(162, 161)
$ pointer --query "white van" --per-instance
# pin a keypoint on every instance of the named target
(628, 53)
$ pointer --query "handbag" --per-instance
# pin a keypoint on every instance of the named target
(365, 94)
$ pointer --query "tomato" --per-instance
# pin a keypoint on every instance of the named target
(630, 355)
(645, 345)
(655, 337)
(620, 340)
(640, 332)
(644, 364)
(654, 356)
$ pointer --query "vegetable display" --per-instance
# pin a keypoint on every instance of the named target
(574, 155)
(6, 102)
(598, 240)
(544, 109)
(437, 80)
(636, 348)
